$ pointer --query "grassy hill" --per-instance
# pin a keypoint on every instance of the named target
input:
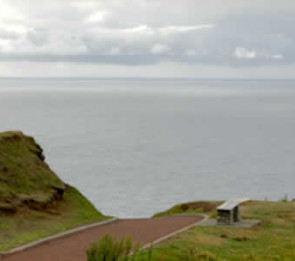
(34, 202)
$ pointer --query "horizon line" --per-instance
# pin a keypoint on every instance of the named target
(143, 78)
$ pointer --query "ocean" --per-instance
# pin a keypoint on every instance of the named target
(134, 147)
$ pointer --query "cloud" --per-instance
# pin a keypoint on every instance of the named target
(184, 29)
(243, 53)
(141, 32)
(159, 49)
(141, 29)
(114, 51)
(277, 56)
(98, 16)
(191, 52)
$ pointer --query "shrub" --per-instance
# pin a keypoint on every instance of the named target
(111, 249)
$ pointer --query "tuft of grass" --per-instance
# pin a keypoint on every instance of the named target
(112, 249)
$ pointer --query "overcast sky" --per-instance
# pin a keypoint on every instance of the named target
(148, 38)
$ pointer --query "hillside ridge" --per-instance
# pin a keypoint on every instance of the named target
(25, 178)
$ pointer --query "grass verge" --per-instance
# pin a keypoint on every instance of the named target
(273, 239)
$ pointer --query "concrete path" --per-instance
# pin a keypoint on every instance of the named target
(72, 247)
(244, 223)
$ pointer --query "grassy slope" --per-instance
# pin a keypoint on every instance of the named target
(273, 239)
(22, 169)
(23, 174)
(30, 225)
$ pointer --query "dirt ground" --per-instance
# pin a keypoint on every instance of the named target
(72, 247)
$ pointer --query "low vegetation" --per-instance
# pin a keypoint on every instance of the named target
(272, 239)
(112, 249)
(205, 207)
(34, 202)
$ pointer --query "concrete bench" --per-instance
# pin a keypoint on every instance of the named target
(229, 212)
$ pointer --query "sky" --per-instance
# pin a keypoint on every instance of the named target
(147, 38)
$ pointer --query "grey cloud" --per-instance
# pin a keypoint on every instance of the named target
(134, 32)
(4, 34)
(266, 34)
(38, 37)
(101, 59)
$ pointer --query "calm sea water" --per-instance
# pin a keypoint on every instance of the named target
(135, 147)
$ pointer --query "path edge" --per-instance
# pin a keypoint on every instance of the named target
(56, 236)
(205, 218)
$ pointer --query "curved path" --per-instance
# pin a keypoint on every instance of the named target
(72, 247)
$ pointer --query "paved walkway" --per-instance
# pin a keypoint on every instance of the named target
(72, 247)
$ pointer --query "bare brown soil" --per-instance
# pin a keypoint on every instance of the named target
(72, 247)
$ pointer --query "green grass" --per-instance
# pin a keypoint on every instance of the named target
(207, 207)
(110, 248)
(273, 239)
(22, 169)
(30, 225)
(34, 202)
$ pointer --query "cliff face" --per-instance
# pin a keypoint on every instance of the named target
(26, 181)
